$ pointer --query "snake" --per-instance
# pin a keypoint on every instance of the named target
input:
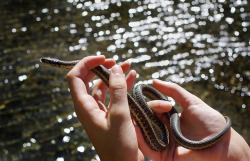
(154, 131)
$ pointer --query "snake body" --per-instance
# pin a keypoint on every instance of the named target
(153, 130)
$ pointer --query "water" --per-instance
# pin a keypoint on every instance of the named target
(201, 45)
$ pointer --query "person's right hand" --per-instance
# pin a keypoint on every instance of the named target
(109, 128)
(197, 121)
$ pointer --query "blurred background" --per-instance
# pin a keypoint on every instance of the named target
(203, 45)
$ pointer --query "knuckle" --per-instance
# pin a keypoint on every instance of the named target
(118, 84)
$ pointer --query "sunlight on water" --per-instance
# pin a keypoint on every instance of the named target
(60, 159)
(66, 139)
(202, 45)
(81, 149)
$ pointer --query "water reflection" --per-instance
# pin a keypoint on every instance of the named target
(203, 45)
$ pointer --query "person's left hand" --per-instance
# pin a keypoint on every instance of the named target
(110, 129)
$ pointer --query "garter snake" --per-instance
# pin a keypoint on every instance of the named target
(154, 131)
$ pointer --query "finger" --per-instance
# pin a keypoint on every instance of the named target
(119, 111)
(125, 66)
(99, 89)
(108, 63)
(77, 75)
(130, 79)
(160, 106)
(179, 94)
(85, 105)
(140, 156)
(99, 94)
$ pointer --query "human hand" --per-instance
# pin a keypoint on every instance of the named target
(198, 121)
(112, 132)
(110, 129)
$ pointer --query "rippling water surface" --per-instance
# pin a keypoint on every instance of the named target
(202, 45)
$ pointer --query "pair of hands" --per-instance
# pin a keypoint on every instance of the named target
(114, 135)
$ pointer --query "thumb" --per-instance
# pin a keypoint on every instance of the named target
(119, 109)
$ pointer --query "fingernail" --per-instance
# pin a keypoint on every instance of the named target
(116, 69)
(128, 62)
(158, 80)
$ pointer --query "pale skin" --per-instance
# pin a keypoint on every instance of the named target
(114, 135)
